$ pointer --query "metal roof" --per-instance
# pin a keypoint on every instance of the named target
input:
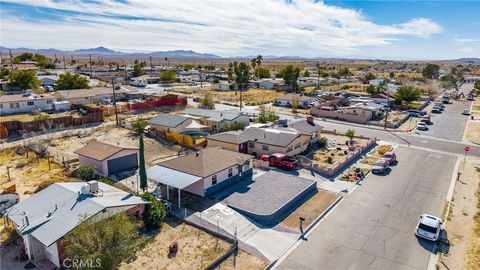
(171, 177)
(212, 115)
(58, 209)
(167, 120)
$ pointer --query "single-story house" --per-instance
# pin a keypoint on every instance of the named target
(204, 172)
(287, 100)
(275, 84)
(223, 86)
(376, 82)
(367, 108)
(167, 122)
(260, 141)
(309, 127)
(108, 159)
(11, 104)
(48, 80)
(47, 216)
(216, 120)
(88, 96)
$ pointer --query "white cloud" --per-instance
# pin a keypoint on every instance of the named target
(225, 27)
(465, 40)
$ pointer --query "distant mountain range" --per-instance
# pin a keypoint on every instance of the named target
(102, 51)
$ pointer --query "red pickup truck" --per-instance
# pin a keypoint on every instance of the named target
(280, 160)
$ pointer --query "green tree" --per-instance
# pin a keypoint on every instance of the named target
(168, 75)
(142, 172)
(187, 67)
(23, 79)
(4, 72)
(86, 172)
(230, 72)
(391, 74)
(406, 93)
(370, 76)
(41, 117)
(155, 213)
(259, 59)
(345, 72)
(71, 81)
(371, 89)
(431, 71)
(108, 242)
(448, 80)
(216, 80)
(295, 104)
(477, 85)
(207, 101)
(41, 59)
(139, 125)
(242, 74)
(265, 115)
(138, 70)
(306, 74)
(253, 63)
(350, 134)
(263, 73)
(290, 75)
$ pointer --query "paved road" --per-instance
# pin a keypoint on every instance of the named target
(373, 227)
(450, 124)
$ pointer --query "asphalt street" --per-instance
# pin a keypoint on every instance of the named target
(373, 227)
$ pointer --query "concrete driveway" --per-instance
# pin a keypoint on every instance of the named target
(373, 228)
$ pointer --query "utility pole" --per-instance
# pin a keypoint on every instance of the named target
(115, 102)
(386, 110)
(64, 65)
(11, 59)
(151, 66)
(90, 61)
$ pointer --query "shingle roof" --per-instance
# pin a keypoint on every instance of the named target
(278, 136)
(207, 162)
(58, 209)
(99, 150)
(212, 115)
(304, 127)
(230, 137)
(167, 120)
(18, 98)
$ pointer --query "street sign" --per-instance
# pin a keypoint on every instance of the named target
(466, 148)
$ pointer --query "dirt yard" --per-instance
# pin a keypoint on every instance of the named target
(310, 210)
(337, 150)
(253, 96)
(473, 132)
(243, 261)
(196, 249)
(463, 225)
(28, 174)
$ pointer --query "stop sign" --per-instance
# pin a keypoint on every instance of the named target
(466, 148)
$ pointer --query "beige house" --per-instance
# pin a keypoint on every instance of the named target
(170, 123)
(88, 96)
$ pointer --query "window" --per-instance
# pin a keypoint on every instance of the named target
(230, 172)
(298, 145)
(305, 142)
(251, 145)
(30, 103)
(214, 179)
(289, 149)
(14, 106)
(49, 101)
(1, 106)
(265, 147)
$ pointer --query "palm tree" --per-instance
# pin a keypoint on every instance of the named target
(259, 59)
(253, 62)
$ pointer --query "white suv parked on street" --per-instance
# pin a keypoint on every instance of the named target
(429, 227)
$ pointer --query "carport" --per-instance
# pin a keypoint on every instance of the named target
(171, 178)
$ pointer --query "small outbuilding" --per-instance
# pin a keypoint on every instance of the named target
(108, 159)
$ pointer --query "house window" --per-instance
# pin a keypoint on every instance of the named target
(214, 179)
(251, 145)
(230, 172)
(49, 101)
(265, 147)
(30, 103)
(298, 145)
(305, 142)
(1, 106)
(289, 149)
(14, 106)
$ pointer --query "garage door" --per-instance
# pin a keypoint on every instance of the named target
(122, 164)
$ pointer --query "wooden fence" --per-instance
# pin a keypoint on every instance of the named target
(166, 102)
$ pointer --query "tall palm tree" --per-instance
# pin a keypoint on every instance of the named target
(258, 59)
(253, 62)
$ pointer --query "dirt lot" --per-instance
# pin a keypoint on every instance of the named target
(196, 249)
(113, 135)
(473, 132)
(253, 96)
(243, 261)
(463, 225)
(27, 174)
(310, 210)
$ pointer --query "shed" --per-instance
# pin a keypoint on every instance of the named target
(108, 159)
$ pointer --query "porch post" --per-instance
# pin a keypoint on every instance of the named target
(168, 194)
(179, 198)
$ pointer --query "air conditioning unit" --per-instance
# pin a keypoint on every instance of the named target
(93, 186)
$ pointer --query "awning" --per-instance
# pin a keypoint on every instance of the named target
(195, 126)
(170, 177)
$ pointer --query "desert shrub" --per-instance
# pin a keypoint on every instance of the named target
(329, 160)
(155, 213)
(322, 142)
(86, 172)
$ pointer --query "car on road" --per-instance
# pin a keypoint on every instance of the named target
(426, 119)
(422, 126)
(280, 160)
(436, 110)
(415, 113)
(390, 157)
(466, 112)
(380, 167)
(429, 227)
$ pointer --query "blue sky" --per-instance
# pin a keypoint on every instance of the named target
(354, 29)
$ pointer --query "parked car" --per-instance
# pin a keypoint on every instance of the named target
(280, 160)
(429, 227)
(466, 112)
(390, 157)
(470, 98)
(422, 126)
(415, 113)
(436, 110)
(380, 167)
(439, 105)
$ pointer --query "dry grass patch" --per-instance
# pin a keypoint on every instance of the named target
(196, 248)
(243, 261)
(253, 96)
(473, 132)
(473, 254)
(310, 209)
